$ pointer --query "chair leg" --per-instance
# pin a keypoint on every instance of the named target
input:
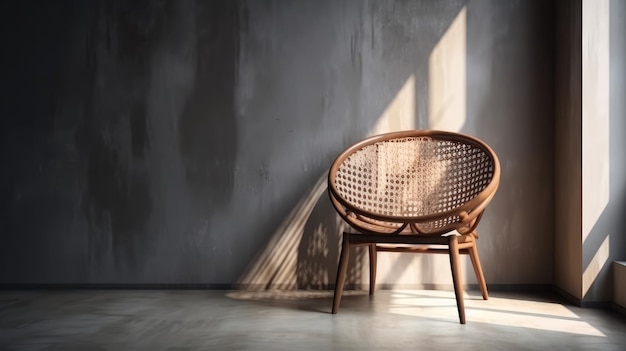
(457, 278)
(341, 271)
(473, 253)
(373, 254)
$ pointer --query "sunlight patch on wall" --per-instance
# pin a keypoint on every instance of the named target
(599, 260)
(595, 112)
(400, 113)
(447, 78)
(446, 111)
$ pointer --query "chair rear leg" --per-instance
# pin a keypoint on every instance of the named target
(373, 254)
(457, 278)
(341, 271)
(473, 253)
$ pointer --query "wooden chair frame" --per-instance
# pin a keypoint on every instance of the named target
(417, 231)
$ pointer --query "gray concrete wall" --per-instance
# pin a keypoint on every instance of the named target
(181, 142)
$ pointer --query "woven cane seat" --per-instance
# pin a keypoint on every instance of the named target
(424, 182)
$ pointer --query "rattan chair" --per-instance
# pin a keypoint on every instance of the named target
(422, 190)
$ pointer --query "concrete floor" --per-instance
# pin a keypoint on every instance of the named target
(300, 320)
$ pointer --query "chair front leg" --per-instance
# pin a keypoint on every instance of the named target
(478, 270)
(457, 277)
(341, 271)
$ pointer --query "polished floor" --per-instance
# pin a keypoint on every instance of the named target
(299, 320)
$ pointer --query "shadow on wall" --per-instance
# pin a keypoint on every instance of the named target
(303, 252)
(320, 246)
(280, 264)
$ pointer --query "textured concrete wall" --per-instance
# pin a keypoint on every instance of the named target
(182, 141)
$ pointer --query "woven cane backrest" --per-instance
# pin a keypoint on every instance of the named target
(424, 178)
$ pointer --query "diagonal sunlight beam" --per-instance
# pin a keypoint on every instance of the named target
(599, 260)
(595, 135)
(276, 266)
(595, 110)
(447, 91)
(400, 113)
(447, 78)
